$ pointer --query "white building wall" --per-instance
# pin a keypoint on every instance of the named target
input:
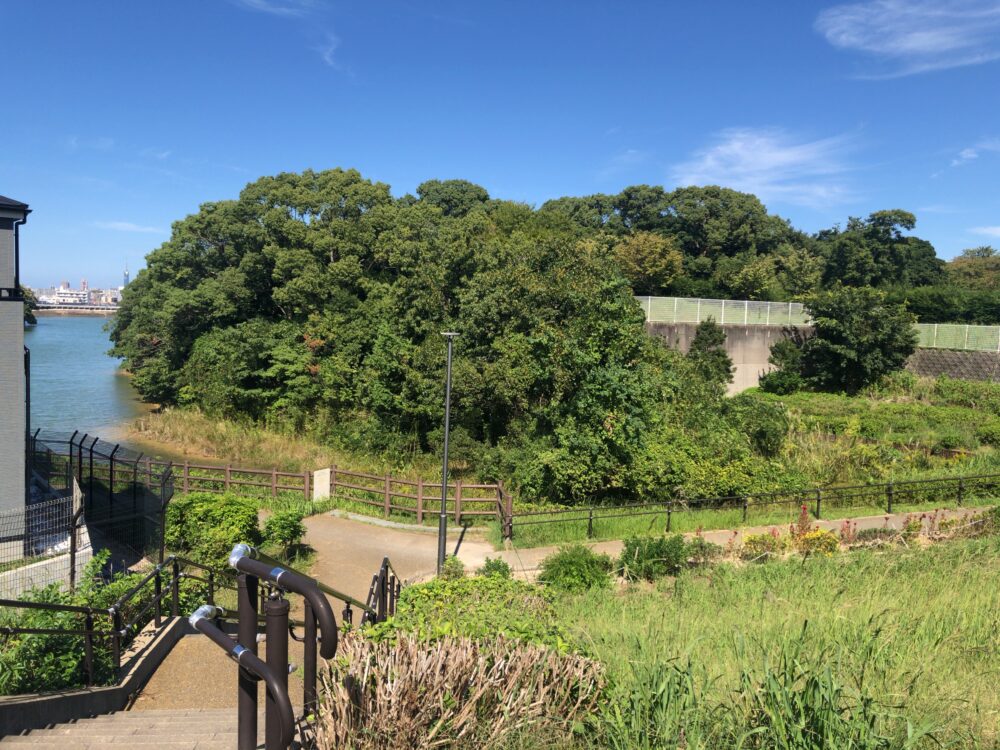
(12, 385)
(12, 405)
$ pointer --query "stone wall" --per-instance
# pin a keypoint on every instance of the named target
(955, 364)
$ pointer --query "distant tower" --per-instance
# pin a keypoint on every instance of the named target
(83, 284)
(126, 275)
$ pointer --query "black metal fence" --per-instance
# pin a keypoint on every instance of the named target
(819, 502)
(85, 495)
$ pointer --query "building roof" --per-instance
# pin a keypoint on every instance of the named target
(6, 202)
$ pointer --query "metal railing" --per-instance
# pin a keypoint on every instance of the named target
(751, 312)
(890, 497)
(114, 627)
(259, 573)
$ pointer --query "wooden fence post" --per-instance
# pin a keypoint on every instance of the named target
(274, 482)
(388, 499)
(420, 501)
(228, 476)
(333, 481)
(305, 486)
(458, 502)
(185, 475)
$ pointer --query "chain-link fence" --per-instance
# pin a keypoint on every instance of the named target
(86, 495)
(747, 312)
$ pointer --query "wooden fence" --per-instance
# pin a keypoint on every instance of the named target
(392, 495)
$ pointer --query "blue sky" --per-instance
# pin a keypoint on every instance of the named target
(121, 117)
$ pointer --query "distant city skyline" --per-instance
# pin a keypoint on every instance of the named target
(130, 115)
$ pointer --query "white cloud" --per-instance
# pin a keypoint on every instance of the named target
(327, 50)
(773, 165)
(990, 145)
(915, 36)
(158, 154)
(988, 231)
(278, 7)
(103, 143)
(127, 226)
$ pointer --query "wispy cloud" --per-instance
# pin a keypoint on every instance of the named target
(773, 165)
(127, 226)
(987, 231)
(158, 154)
(278, 7)
(102, 143)
(915, 36)
(328, 49)
(623, 161)
(988, 145)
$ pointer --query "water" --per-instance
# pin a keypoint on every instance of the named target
(75, 385)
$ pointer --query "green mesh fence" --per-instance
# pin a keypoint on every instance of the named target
(746, 312)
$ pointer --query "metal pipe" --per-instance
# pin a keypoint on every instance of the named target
(201, 620)
(276, 634)
(309, 661)
(289, 580)
(246, 684)
(443, 516)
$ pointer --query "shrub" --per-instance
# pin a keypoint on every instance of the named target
(701, 551)
(206, 527)
(988, 433)
(285, 528)
(877, 536)
(494, 566)
(452, 569)
(453, 693)
(762, 420)
(760, 547)
(781, 382)
(576, 568)
(651, 557)
(476, 608)
(817, 542)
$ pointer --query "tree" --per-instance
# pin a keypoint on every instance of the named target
(453, 197)
(649, 261)
(857, 338)
(708, 354)
(30, 305)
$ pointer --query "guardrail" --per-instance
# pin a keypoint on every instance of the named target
(320, 637)
(116, 632)
(891, 496)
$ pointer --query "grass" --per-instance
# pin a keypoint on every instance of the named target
(575, 530)
(189, 432)
(917, 631)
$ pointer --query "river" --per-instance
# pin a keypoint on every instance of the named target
(75, 385)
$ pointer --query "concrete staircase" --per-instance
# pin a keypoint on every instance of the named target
(189, 729)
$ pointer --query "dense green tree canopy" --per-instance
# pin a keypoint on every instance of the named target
(315, 301)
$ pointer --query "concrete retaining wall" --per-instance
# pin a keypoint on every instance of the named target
(749, 347)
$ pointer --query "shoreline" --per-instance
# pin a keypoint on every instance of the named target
(46, 312)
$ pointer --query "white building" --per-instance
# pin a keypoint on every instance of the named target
(13, 362)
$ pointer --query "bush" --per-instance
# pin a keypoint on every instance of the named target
(454, 693)
(494, 566)
(648, 557)
(452, 568)
(988, 433)
(477, 608)
(576, 568)
(701, 551)
(760, 547)
(285, 528)
(781, 382)
(206, 527)
(762, 420)
(817, 542)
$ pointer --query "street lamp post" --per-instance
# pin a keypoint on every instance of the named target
(443, 517)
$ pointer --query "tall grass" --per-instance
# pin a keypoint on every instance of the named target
(897, 649)
(190, 432)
